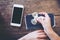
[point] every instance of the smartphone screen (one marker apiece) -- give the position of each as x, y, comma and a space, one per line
17, 14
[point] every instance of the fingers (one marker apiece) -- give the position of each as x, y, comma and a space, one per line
41, 34
35, 35
42, 39
40, 19
40, 31
44, 13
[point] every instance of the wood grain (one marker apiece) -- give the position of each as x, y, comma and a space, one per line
6, 6
57, 21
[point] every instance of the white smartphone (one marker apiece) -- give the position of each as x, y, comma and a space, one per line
17, 15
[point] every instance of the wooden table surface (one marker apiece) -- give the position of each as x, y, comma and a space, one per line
49, 6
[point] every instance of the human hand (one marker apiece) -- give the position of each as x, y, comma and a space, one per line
45, 21
35, 35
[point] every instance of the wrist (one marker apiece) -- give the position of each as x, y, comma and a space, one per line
52, 35
48, 30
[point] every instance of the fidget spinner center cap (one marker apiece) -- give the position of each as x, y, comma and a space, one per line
33, 21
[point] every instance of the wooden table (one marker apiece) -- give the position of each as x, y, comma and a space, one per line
49, 6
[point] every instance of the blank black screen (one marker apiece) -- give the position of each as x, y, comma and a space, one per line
17, 13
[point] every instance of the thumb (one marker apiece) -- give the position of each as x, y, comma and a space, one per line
40, 19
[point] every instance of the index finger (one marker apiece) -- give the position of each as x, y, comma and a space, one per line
44, 13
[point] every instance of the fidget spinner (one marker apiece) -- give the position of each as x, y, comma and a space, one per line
34, 15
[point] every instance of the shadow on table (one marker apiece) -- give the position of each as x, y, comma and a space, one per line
58, 1
3, 33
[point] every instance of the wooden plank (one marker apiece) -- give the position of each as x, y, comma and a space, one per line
57, 30
49, 6
57, 21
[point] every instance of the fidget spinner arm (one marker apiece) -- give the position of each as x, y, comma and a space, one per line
34, 15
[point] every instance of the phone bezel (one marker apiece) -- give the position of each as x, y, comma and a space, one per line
16, 24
